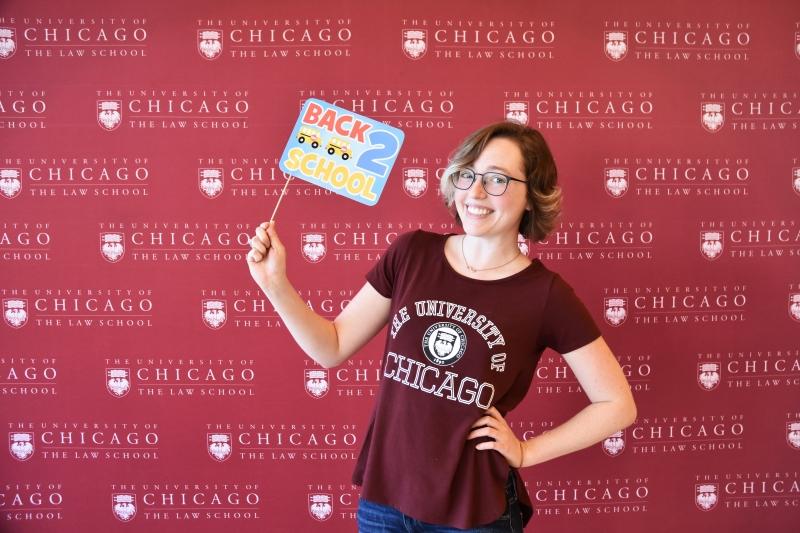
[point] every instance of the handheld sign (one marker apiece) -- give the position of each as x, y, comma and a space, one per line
342, 151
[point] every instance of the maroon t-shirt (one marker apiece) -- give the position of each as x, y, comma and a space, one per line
455, 347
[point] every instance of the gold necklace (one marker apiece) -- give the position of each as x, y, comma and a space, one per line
482, 269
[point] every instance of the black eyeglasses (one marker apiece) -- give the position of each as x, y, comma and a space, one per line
493, 183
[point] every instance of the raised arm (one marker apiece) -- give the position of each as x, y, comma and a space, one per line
329, 343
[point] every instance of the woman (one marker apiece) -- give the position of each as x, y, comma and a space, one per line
469, 317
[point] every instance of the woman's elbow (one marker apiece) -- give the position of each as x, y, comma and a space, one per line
631, 412
329, 360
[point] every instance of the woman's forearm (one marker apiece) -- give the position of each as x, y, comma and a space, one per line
315, 335
589, 426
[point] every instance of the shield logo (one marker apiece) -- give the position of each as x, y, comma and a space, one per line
712, 116
123, 506
516, 111
215, 313
795, 180
317, 382
219, 446
793, 434
415, 181
614, 444
444, 343
112, 246
415, 43
118, 381
209, 44
8, 42
21, 445
616, 182
794, 306
615, 45
711, 244
313, 246
319, 506
109, 115
15, 312
10, 184
616, 311
708, 376
706, 496
797, 44
210, 181
523, 244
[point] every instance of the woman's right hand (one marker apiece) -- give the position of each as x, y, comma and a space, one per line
267, 257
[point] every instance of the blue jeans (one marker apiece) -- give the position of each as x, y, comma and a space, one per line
376, 518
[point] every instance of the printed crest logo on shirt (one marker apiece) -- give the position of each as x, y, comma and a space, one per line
793, 434
214, 313
15, 311
109, 115
21, 445
219, 446
316, 382
706, 496
616, 45
796, 180
313, 246
415, 181
8, 42
794, 306
517, 111
614, 444
209, 43
10, 184
123, 505
712, 116
444, 343
320, 507
415, 43
708, 376
118, 382
616, 311
112, 246
616, 182
210, 181
711, 244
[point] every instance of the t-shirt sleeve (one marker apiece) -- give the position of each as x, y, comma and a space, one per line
384, 273
566, 323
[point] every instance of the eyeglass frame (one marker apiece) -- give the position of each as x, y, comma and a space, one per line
457, 175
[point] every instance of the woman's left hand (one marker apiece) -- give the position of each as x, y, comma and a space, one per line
494, 426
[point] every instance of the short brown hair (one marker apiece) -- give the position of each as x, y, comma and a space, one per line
543, 192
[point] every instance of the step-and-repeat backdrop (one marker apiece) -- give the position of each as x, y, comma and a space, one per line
148, 385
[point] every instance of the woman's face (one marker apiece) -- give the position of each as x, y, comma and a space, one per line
489, 216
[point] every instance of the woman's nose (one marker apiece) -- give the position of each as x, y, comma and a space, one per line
476, 189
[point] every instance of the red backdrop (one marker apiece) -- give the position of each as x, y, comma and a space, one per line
144, 377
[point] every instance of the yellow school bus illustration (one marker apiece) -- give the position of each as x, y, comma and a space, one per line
338, 145
311, 135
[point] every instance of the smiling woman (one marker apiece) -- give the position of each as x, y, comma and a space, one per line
525, 151
470, 317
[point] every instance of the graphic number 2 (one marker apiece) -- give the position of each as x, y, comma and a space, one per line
385, 148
